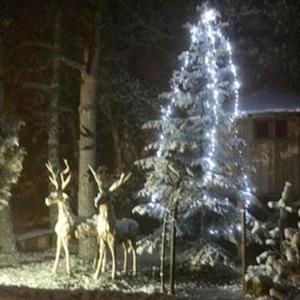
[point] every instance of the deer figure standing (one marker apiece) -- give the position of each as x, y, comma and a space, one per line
66, 221
111, 231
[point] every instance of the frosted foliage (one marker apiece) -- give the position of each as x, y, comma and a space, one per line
203, 254
277, 272
150, 244
196, 159
154, 210
11, 157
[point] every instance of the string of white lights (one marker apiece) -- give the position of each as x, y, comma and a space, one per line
209, 24
236, 86
209, 17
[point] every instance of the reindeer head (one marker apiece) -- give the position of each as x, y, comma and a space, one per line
105, 188
58, 196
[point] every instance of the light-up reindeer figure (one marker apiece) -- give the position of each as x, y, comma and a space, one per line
111, 231
66, 221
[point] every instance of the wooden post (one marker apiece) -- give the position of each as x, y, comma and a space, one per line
173, 249
243, 245
281, 228
283, 213
162, 255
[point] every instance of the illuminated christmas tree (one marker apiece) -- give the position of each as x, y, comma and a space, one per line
198, 140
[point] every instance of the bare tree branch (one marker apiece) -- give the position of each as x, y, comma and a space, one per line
39, 86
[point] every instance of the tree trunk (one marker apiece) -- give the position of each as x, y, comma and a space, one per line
162, 255
7, 238
173, 249
87, 140
53, 135
243, 246
1, 80
118, 149
87, 156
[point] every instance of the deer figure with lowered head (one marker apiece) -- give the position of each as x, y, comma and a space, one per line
66, 221
110, 230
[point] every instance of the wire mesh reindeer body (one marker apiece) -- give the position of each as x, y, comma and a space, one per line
66, 220
111, 231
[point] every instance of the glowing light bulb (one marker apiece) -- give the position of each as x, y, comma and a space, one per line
209, 16
228, 47
233, 69
237, 85
158, 153
193, 32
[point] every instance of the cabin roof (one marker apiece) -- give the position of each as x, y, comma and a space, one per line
269, 100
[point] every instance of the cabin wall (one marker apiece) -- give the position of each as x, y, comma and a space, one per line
276, 160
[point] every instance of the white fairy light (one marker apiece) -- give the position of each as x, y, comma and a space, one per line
214, 35
237, 84
193, 33
208, 24
209, 16
153, 197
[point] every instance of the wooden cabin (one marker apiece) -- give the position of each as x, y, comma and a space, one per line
270, 124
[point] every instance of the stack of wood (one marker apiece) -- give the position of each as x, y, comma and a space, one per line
277, 275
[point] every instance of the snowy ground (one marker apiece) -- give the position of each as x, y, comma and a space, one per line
34, 271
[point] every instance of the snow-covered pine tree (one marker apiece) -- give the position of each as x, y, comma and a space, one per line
11, 159
198, 139
276, 275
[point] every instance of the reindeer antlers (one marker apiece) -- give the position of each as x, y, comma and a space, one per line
53, 177
119, 182
65, 182
96, 179
115, 185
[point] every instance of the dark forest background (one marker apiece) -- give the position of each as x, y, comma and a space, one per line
139, 44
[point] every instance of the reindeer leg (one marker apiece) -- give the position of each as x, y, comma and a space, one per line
125, 257
65, 244
113, 260
103, 261
133, 250
101, 249
96, 254
58, 248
